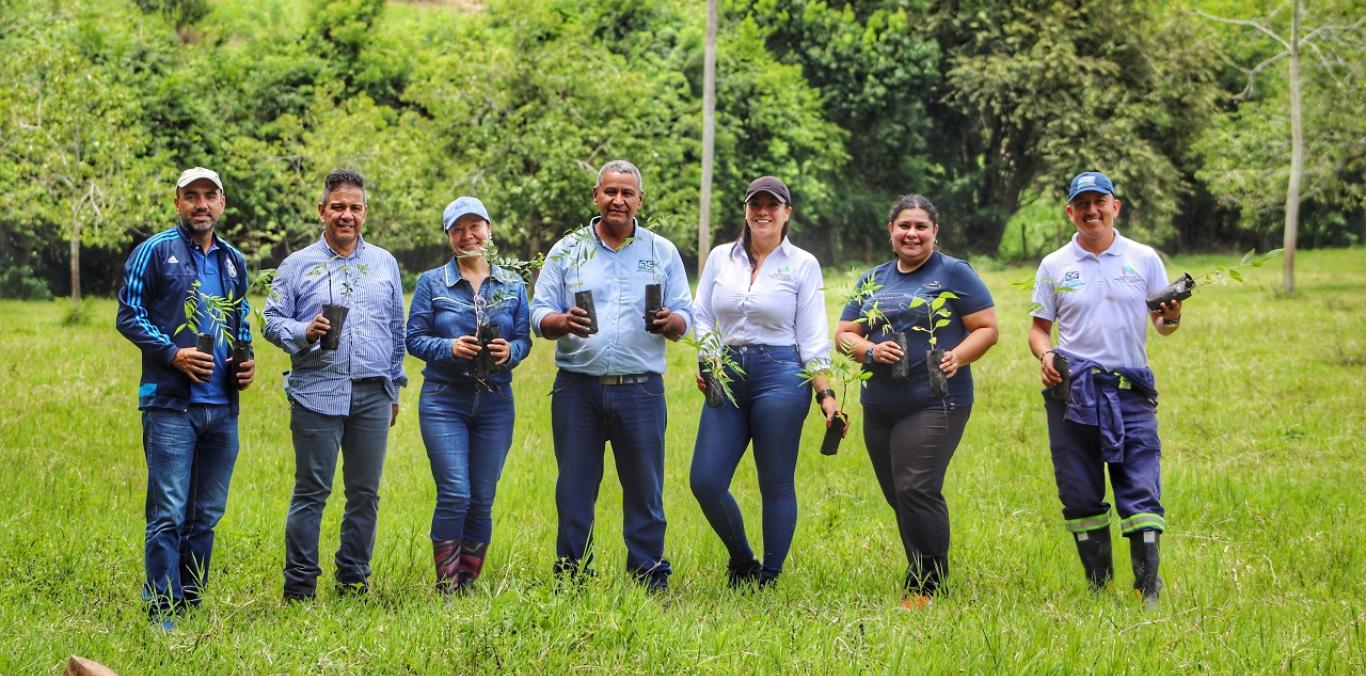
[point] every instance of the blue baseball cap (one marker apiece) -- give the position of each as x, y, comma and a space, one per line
464, 206
1089, 181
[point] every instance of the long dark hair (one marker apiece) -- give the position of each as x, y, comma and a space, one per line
744, 236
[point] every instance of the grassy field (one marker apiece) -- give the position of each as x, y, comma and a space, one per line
1262, 419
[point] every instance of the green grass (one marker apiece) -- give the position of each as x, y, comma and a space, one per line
1262, 419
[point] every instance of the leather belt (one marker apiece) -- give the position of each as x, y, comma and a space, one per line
632, 379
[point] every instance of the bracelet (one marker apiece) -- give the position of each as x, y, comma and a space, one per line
868, 355
1045, 354
1171, 322
822, 395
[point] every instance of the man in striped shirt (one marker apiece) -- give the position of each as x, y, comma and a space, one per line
337, 308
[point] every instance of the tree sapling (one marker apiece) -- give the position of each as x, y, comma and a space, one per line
936, 318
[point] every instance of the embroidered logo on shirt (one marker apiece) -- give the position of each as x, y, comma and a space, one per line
1072, 280
232, 269
172, 260
783, 274
645, 266
932, 284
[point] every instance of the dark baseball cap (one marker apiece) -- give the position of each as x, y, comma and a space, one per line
771, 185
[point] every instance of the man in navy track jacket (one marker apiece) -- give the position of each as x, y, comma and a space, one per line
188, 398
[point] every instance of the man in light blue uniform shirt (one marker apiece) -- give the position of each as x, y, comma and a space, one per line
610, 385
347, 397
1105, 419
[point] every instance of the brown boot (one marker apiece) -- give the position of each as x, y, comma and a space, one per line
446, 554
471, 562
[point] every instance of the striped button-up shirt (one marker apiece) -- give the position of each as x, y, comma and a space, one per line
371, 346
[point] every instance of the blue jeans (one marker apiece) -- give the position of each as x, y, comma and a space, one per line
467, 430
771, 402
585, 415
363, 436
190, 456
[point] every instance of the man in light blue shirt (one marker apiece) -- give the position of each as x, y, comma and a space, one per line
1104, 418
610, 385
343, 389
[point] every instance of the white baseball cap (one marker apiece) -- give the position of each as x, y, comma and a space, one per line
191, 175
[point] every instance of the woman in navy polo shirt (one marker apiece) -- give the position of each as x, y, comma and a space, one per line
763, 298
466, 409
911, 433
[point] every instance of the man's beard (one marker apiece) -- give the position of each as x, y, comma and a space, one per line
198, 229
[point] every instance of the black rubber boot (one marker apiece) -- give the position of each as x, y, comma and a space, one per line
1143, 553
1093, 546
740, 573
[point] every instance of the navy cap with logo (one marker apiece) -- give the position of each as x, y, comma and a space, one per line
1089, 181
771, 185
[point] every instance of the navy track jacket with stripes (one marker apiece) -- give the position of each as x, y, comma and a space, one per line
156, 278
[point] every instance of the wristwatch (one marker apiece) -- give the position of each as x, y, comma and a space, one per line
868, 356
822, 395
1171, 322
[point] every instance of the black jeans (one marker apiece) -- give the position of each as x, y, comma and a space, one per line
910, 452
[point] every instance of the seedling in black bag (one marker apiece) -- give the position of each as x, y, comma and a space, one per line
937, 318
205, 308
841, 372
1064, 368
1182, 288
716, 366
654, 302
1179, 290
334, 312
580, 249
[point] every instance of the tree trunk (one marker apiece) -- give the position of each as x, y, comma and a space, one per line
708, 138
76, 258
1292, 191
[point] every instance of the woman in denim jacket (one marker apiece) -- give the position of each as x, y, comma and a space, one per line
469, 322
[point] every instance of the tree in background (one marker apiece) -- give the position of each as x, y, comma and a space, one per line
875, 70
1036, 91
1337, 108
78, 157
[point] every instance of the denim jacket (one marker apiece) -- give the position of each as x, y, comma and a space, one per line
444, 308
1093, 399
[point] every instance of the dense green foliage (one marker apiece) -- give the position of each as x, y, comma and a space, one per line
987, 107
1262, 427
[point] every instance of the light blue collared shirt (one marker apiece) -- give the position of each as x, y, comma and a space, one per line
372, 340
622, 346
1099, 301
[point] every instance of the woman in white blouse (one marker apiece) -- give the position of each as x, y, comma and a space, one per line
762, 297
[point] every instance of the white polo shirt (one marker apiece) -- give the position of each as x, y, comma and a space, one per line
1098, 302
784, 306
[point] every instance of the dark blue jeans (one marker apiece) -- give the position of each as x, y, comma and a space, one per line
770, 406
363, 436
190, 456
467, 429
585, 415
